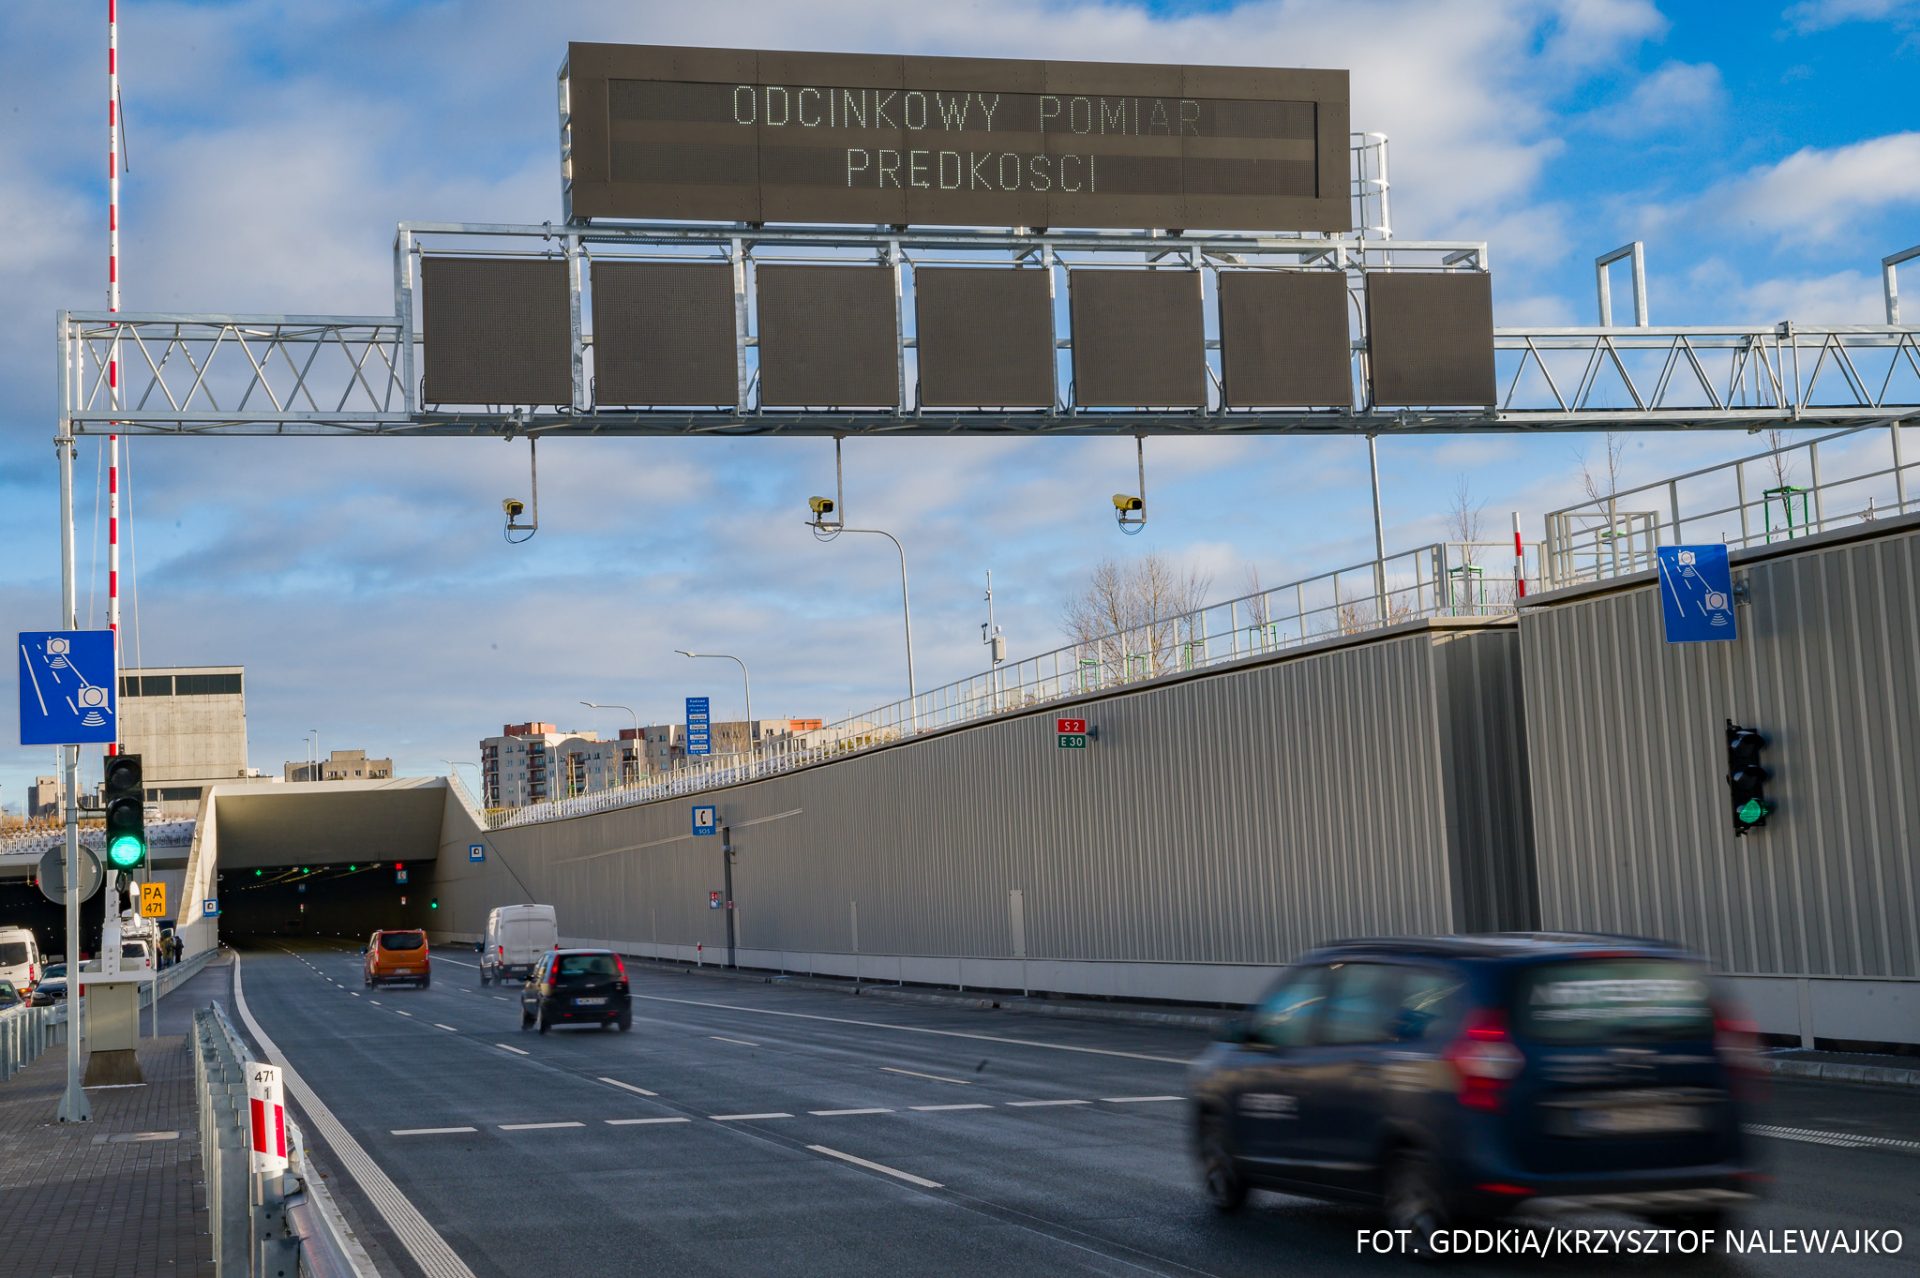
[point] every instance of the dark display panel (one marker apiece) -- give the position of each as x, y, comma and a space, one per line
1139, 339
985, 337
828, 337
1430, 339
742, 136
1283, 339
663, 333
496, 331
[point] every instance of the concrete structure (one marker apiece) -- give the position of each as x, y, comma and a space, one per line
1816, 916
534, 761
188, 724
1212, 831
340, 765
43, 798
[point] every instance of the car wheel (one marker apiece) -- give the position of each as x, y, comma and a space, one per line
484, 978
426, 984
1414, 1202
543, 1020
626, 1020
1220, 1175
526, 1019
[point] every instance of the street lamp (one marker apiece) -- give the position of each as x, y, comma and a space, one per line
313, 773
826, 531
480, 780
595, 705
746, 680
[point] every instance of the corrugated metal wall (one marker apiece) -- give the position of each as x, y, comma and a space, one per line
1632, 818
1236, 817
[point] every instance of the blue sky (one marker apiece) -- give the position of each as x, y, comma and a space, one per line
1766, 152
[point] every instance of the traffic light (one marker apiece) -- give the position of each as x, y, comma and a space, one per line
126, 813
1746, 778
434, 904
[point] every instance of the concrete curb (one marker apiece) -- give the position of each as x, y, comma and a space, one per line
1841, 1072
1205, 1021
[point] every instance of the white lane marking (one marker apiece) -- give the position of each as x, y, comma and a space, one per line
643, 1122
614, 1082
355, 993
535, 1127
882, 1168
1043, 1104
744, 1118
429, 1131
945, 1109
1846, 1140
741, 1042
515, 1050
374, 1001
441, 958
843, 1113
938, 1078
920, 1029
422, 1241
1137, 1100
503, 998
448, 1028
398, 1012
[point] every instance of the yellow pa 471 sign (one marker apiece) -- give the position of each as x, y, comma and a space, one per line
153, 900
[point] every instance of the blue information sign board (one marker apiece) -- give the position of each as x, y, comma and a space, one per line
1696, 593
210, 907
706, 819
476, 851
699, 726
69, 688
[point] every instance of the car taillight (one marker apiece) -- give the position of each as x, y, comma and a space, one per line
1485, 1058
1737, 1042
619, 964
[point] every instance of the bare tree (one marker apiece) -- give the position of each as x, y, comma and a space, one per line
1464, 517
1780, 462
1126, 617
1603, 483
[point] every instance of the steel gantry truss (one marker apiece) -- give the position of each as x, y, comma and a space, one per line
209, 374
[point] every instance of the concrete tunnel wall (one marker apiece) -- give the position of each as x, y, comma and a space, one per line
1220, 824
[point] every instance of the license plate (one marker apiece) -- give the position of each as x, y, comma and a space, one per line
588, 1002
1636, 1120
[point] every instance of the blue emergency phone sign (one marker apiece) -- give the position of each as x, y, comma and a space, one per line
1696, 594
476, 851
210, 907
706, 818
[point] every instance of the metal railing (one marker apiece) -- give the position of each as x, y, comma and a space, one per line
1444, 579
1791, 491
27, 1031
31, 844
262, 1224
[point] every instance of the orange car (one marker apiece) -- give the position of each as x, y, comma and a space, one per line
396, 956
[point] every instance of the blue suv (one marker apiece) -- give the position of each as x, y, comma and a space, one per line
1453, 1079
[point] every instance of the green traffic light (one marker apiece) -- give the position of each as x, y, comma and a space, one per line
434, 904
352, 869
1752, 812
258, 873
125, 852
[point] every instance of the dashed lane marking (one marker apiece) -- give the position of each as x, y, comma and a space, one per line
639, 1091
1138, 1100
945, 1109
882, 1168
739, 1042
1844, 1140
845, 1113
536, 1127
1044, 1104
429, 1131
744, 1118
643, 1122
448, 1028
398, 1012
938, 1078
517, 1051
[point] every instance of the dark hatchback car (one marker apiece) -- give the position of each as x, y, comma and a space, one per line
52, 987
577, 987
1465, 1078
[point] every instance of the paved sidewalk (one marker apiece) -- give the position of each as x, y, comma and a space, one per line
122, 1195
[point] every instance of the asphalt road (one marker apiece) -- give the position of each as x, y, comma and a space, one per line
746, 1128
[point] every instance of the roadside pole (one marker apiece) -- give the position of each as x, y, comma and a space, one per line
73, 1103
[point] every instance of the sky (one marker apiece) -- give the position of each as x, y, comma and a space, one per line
1767, 153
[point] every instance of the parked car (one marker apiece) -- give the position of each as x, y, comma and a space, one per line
516, 937
1466, 1078
52, 987
20, 960
398, 956
9, 996
577, 987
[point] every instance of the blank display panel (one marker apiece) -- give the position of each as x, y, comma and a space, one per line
1283, 339
1138, 339
828, 337
663, 333
985, 338
1430, 339
496, 332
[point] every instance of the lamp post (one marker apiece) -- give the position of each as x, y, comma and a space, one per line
479, 778
906, 608
746, 680
313, 773
595, 705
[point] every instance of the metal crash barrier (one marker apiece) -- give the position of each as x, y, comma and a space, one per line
266, 1224
25, 1032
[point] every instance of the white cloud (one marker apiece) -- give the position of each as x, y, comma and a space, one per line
1821, 15
1820, 192
1677, 94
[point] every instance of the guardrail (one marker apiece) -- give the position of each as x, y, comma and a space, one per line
25, 1032
1444, 579
1835, 480
262, 1224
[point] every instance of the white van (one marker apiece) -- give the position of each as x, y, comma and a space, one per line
20, 960
517, 935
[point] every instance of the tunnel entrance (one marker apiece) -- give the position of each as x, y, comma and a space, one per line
346, 899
